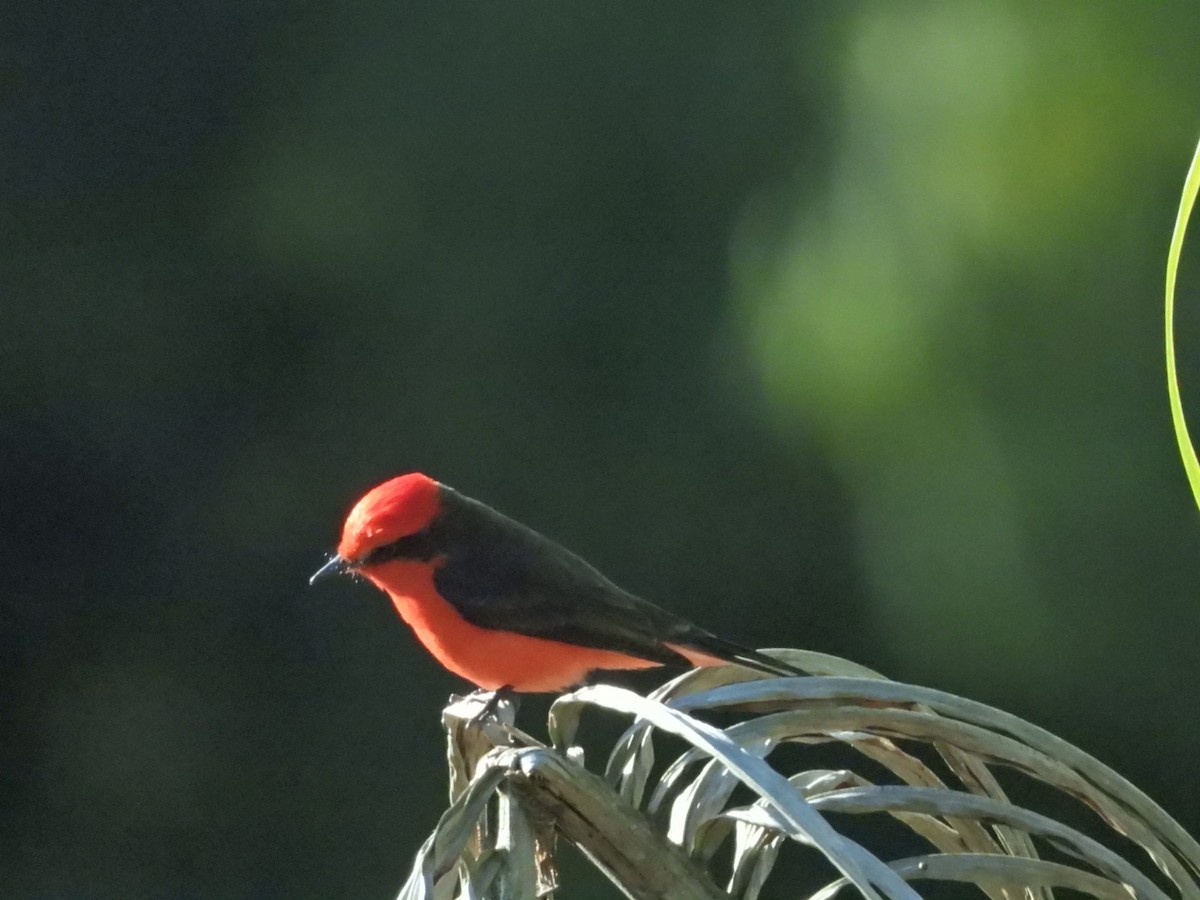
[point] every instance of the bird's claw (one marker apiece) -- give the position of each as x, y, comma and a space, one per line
503, 694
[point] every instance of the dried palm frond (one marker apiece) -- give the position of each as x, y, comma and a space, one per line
930, 761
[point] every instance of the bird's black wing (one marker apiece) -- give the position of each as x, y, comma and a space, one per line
501, 575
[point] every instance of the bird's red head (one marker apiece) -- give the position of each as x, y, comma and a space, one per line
395, 509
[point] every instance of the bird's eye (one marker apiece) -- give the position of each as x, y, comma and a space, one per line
418, 546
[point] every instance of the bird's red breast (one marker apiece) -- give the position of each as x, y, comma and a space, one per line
485, 656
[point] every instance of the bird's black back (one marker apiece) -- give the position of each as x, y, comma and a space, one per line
503, 575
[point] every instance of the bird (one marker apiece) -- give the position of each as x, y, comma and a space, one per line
502, 606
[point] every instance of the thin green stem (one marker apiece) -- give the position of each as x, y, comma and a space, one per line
1186, 202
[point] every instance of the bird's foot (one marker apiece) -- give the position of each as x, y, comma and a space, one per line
502, 694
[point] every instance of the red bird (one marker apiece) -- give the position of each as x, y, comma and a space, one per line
504, 607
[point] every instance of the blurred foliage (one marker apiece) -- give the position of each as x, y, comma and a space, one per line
831, 325
971, 416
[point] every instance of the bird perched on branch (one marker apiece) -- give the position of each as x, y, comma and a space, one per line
505, 607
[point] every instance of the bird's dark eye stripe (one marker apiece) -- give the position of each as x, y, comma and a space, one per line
419, 546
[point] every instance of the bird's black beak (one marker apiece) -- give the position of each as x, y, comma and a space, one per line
336, 566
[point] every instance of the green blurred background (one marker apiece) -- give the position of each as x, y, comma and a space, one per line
831, 325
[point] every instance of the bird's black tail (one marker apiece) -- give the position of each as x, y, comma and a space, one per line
736, 653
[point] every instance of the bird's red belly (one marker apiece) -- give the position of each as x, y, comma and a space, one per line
489, 658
